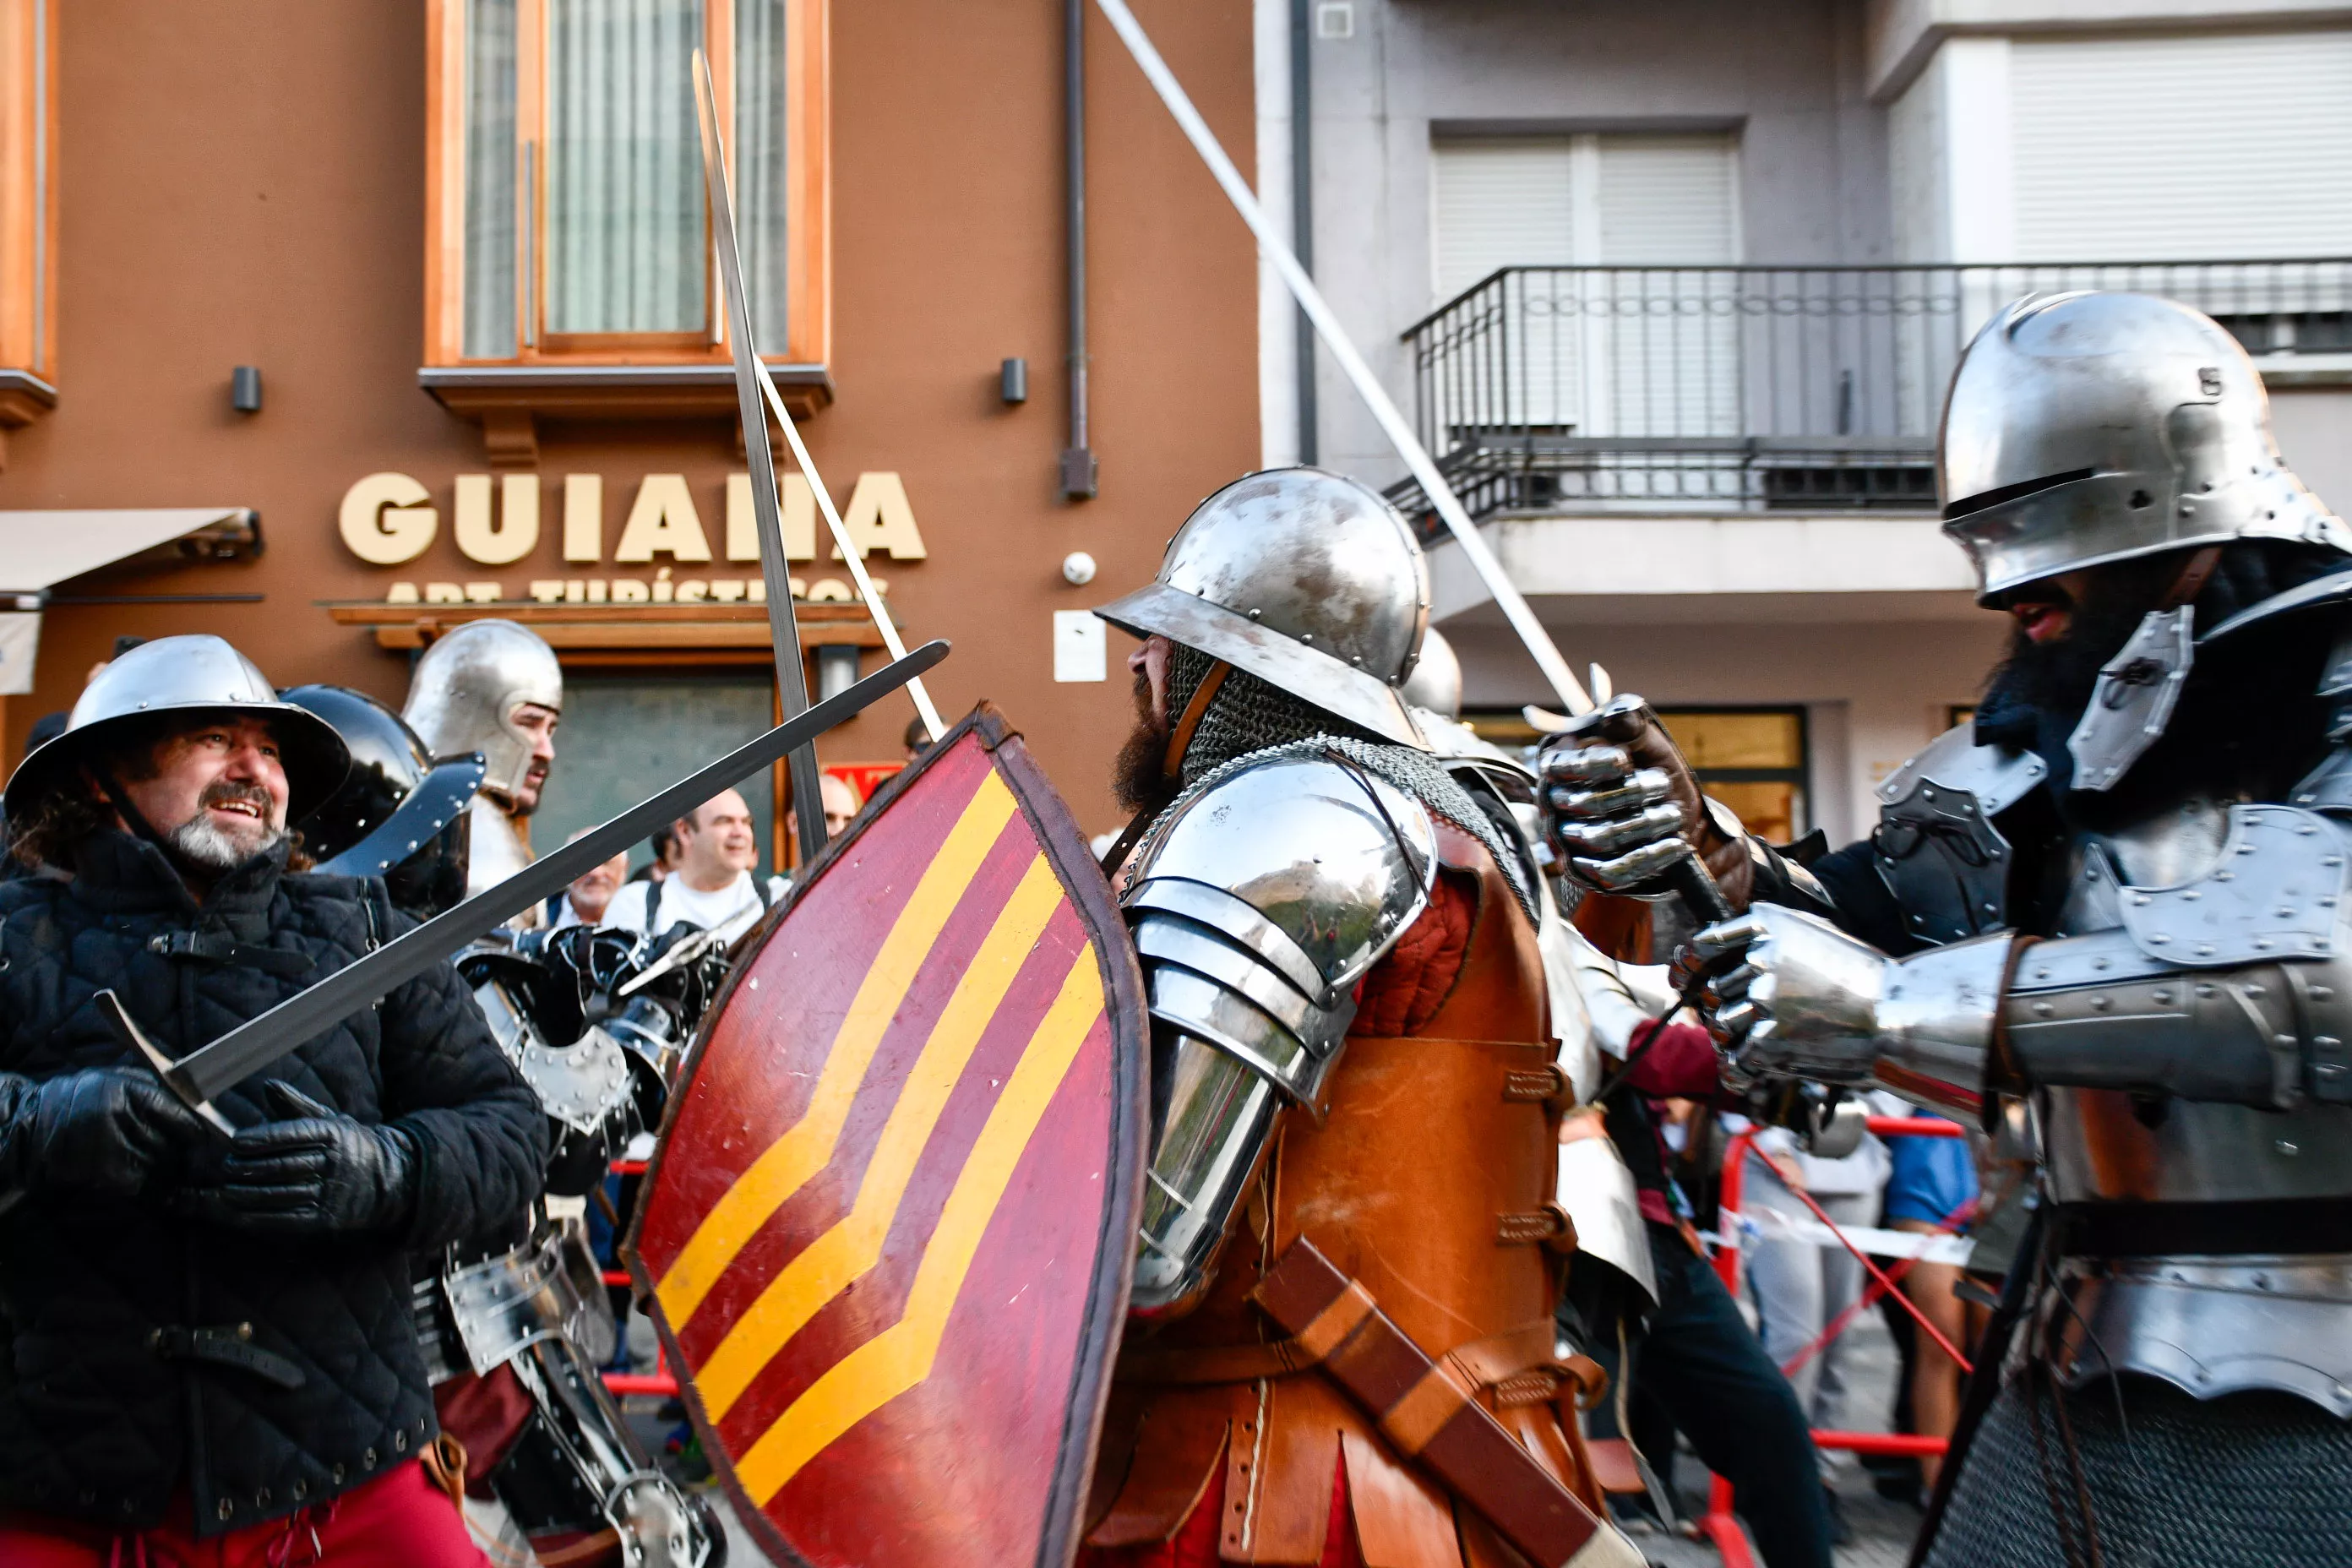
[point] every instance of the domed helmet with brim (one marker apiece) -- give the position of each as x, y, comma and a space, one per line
1435, 683
1308, 580
168, 686
401, 813
2094, 426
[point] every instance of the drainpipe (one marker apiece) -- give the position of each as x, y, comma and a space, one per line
1302, 212
1077, 459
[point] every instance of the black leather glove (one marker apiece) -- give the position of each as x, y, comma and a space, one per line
111, 1130
315, 1171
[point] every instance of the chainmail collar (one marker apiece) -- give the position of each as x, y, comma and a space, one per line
1417, 773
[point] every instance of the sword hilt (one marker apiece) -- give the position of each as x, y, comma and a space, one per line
127, 1030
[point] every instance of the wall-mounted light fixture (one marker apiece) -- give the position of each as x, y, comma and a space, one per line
1012, 381
245, 389
836, 669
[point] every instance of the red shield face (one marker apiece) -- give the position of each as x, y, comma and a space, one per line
888, 1231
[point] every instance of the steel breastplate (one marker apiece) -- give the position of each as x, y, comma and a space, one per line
1936, 845
2208, 1324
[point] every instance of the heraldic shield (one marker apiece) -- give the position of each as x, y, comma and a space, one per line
887, 1232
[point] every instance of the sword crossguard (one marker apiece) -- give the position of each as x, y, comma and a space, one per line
127, 1030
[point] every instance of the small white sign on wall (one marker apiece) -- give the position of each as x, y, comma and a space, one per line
1080, 650
20, 638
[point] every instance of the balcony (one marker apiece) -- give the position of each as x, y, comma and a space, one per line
1804, 389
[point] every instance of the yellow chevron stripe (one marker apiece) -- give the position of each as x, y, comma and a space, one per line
807, 1147
853, 1244
900, 1357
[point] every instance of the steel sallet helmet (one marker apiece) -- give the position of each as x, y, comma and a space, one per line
168, 684
2093, 426
467, 688
1435, 683
400, 814
1306, 580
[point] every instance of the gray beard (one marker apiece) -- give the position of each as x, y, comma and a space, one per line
204, 845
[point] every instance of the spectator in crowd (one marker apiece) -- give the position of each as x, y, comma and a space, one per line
841, 803
917, 738
583, 904
664, 847
1800, 1286
1931, 1188
713, 882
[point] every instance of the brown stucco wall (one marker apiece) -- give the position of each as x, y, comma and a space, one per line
244, 185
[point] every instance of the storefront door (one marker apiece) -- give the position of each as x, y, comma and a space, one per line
625, 735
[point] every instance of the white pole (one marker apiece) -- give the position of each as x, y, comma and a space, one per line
1311, 300
849, 552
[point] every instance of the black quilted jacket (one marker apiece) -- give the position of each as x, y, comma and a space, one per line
104, 1410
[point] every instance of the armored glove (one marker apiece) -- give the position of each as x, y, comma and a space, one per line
110, 1131
1621, 805
316, 1171
1809, 1001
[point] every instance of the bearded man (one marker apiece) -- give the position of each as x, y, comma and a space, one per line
1354, 1082
204, 1340
496, 688
2119, 902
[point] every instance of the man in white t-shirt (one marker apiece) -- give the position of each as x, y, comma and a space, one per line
712, 884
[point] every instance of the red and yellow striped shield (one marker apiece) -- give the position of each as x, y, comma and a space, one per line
887, 1234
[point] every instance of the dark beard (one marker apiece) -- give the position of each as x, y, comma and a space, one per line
1138, 776
2057, 679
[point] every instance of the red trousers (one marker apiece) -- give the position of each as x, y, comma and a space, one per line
1194, 1544
400, 1519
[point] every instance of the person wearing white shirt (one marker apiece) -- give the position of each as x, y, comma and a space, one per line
585, 902
713, 882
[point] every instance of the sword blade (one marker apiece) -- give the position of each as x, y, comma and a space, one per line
783, 630
254, 1044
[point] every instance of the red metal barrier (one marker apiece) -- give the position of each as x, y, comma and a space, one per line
658, 1383
1718, 1525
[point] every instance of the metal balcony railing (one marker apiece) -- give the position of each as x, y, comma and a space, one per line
1765, 388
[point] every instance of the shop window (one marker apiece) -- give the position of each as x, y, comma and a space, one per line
27, 209
568, 228
1752, 759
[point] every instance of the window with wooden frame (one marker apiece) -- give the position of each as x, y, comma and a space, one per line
568, 267
28, 205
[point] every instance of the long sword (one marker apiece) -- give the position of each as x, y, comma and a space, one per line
1408, 445
257, 1043
783, 630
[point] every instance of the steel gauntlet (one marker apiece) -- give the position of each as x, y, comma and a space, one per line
1809, 1001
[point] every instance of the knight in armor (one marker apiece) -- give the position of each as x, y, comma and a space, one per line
514, 1319
492, 686
2115, 900
1352, 1048
207, 1337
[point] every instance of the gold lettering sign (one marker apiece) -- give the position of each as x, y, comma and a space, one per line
385, 520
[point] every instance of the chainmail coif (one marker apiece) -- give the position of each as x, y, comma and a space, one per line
1248, 716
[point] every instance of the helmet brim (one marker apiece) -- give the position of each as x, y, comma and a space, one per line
312, 754
1361, 699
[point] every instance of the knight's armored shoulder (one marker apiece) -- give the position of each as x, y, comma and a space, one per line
1936, 846
1995, 778
1262, 898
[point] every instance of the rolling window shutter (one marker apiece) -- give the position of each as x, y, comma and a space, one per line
2183, 147
1667, 200
1500, 204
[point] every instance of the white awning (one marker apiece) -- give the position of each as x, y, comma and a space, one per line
41, 549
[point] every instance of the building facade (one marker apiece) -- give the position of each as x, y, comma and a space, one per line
460, 250
1673, 292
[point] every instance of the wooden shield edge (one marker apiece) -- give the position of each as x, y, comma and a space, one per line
1122, 982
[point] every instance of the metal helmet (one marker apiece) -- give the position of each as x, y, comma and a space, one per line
1435, 683
1305, 579
2093, 426
169, 683
401, 815
468, 687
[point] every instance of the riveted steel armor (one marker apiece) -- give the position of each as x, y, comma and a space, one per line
2093, 426
1308, 580
192, 679
1256, 906
467, 688
400, 814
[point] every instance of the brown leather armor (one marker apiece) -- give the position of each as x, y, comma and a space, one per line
1429, 1180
